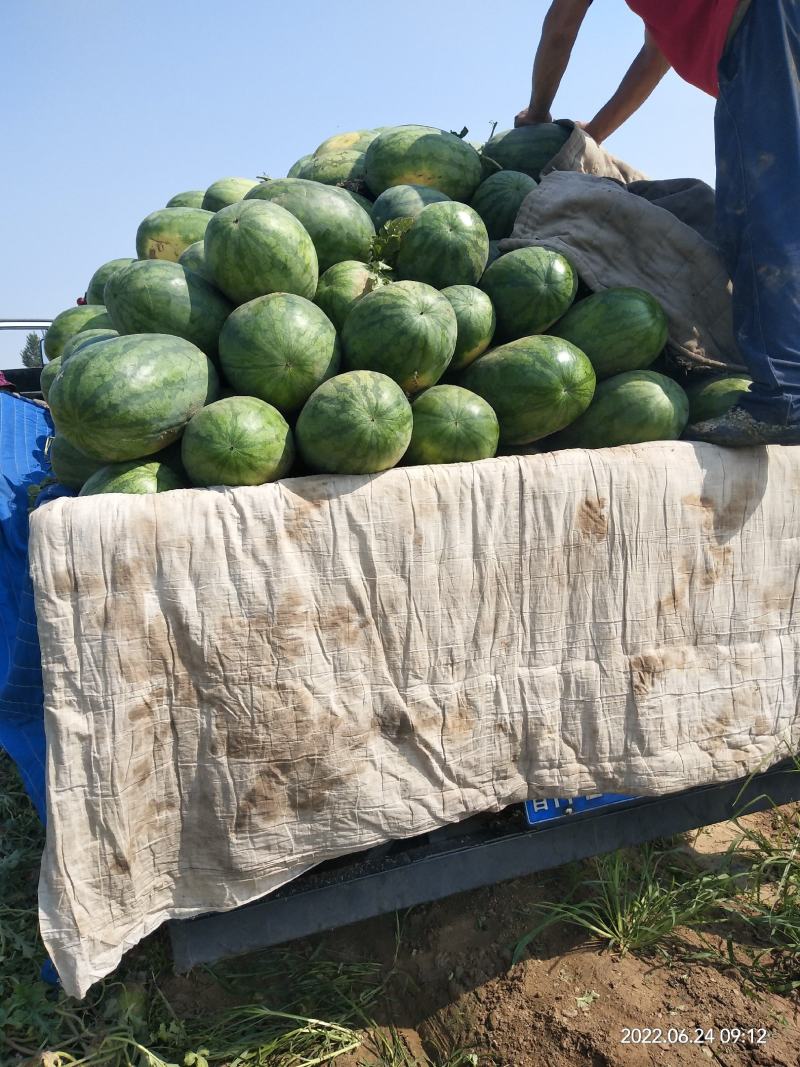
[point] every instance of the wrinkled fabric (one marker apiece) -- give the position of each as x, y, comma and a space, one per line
757, 129
241, 683
614, 237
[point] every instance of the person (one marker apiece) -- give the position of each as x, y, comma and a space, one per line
746, 53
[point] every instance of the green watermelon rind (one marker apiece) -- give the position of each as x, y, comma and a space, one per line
338, 227
452, 425
626, 410
279, 348
620, 329
156, 296
498, 199
422, 155
129, 397
74, 320
406, 330
530, 288
343, 284
476, 322
97, 283
710, 398
536, 386
359, 422
254, 248
136, 476
446, 245
240, 440
527, 148
226, 191
404, 202
166, 233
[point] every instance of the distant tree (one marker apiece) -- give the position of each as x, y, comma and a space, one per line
31, 352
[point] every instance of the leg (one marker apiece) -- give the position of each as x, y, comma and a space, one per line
757, 125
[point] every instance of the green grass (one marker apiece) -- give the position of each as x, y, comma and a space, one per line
281, 1009
746, 914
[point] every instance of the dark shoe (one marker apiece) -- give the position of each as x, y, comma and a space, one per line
738, 429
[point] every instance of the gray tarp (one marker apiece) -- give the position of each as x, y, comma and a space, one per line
241, 683
618, 228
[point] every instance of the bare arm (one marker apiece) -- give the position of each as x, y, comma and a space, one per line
559, 31
643, 76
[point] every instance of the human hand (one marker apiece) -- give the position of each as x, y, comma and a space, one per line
529, 117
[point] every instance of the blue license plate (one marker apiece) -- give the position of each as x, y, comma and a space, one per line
539, 811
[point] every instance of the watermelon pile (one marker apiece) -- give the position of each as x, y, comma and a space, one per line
355, 315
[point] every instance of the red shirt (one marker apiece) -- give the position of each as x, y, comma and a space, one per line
691, 34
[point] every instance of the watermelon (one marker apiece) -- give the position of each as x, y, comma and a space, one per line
422, 155
339, 228
72, 321
619, 330
334, 168
355, 423
227, 191
712, 397
136, 476
488, 166
166, 233
191, 198
70, 467
476, 323
405, 330
48, 373
129, 397
193, 258
536, 386
279, 348
85, 337
498, 200
343, 284
237, 441
354, 141
527, 149
254, 248
452, 425
294, 170
97, 283
629, 409
446, 245
531, 288
404, 202
154, 296
362, 201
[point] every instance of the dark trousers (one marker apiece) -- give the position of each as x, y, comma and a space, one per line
757, 125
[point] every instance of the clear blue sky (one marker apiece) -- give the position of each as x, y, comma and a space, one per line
112, 107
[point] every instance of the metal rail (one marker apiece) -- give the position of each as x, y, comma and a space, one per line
478, 852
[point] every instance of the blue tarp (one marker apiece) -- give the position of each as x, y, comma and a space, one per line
24, 430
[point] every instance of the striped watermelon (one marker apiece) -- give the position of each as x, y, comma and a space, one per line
405, 330
226, 191
528, 149
254, 248
97, 283
629, 409
339, 228
498, 200
279, 348
404, 202
355, 423
531, 288
619, 329
154, 296
166, 233
237, 441
423, 155
334, 168
452, 425
536, 385
712, 397
70, 466
190, 198
343, 284
446, 245
136, 476
476, 323
74, 320
128, 397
